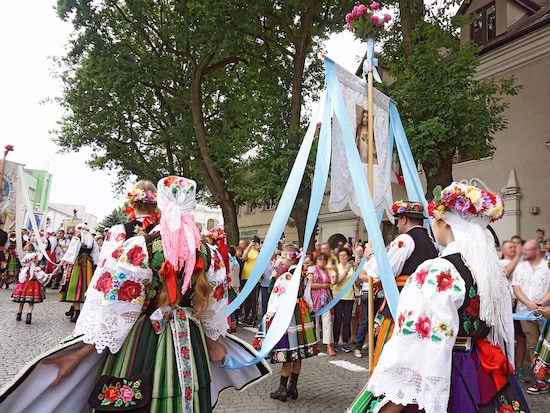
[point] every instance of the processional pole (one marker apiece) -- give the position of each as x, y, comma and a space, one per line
370, 180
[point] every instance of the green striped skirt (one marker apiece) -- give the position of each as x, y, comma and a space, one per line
155, 354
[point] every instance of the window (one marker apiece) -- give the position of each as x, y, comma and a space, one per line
250, 209
485, 27
269, 206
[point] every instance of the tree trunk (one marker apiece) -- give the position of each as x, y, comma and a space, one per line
443, 175
211, 175
411, 12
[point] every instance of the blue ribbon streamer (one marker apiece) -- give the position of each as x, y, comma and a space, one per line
526, 316
335, 300
370, 58
359, 180
280, 218
282, 317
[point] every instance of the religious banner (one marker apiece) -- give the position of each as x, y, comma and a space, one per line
8, 200
342, 193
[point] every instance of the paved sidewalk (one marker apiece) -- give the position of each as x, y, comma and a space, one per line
327, 384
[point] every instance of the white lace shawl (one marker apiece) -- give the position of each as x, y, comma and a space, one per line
416, 369
108, 315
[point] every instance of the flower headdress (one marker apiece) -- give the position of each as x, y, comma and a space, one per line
466, 199
414, 209
144, 195
218, 235
468, 211
364, 23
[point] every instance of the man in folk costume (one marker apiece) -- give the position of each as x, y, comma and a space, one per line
411, 248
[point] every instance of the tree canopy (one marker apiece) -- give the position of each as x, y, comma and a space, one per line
210, 90
445, 110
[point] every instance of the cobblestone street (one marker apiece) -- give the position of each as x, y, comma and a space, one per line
327, 384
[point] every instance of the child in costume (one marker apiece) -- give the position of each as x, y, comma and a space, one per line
29, 290
299, 341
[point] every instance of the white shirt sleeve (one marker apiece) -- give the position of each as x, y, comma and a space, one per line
399, 251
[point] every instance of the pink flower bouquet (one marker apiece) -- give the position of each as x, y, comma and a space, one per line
365, 23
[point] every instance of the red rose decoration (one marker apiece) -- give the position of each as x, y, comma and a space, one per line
473, 307
104, 283
188, 393
129, 290
506, 408
423, 327
136, 255
400, 244
421, 275
400, 321
185, 352
120, 237
111, 394
218, 292
117, 253
444, 281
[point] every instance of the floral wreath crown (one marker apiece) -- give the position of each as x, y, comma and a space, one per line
466, 199
402, 207
216, 234
146, 196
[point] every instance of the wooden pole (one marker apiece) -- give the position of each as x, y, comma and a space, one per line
370, 180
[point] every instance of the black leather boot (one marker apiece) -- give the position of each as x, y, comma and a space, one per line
280, 394
70, 313
75, 316
18, 317
292, 391
29, 317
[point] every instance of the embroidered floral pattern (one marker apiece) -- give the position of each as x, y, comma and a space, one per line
470, 318
423, 327
506, 406
122, 393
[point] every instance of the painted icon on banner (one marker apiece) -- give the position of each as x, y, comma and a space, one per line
362, 134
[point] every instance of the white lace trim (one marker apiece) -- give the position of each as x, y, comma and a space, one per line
406, 386
214, 319
105, 324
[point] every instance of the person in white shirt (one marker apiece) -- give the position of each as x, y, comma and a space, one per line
530, 283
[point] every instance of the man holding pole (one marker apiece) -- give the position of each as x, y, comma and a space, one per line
410, 249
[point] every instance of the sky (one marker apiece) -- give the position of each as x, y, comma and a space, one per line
30, 35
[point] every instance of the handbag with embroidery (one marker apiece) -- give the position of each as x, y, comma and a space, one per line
122, 394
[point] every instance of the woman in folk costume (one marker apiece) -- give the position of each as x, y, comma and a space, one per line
299, 341
80, 259
452, 348
29, 290
152, 324
217, 236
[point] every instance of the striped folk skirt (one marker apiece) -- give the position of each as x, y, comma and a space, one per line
30, 291
76, 283
145, 351
299, 341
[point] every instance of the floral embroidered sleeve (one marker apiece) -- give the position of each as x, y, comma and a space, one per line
214, 319
415, 365
399, 250
117, 292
